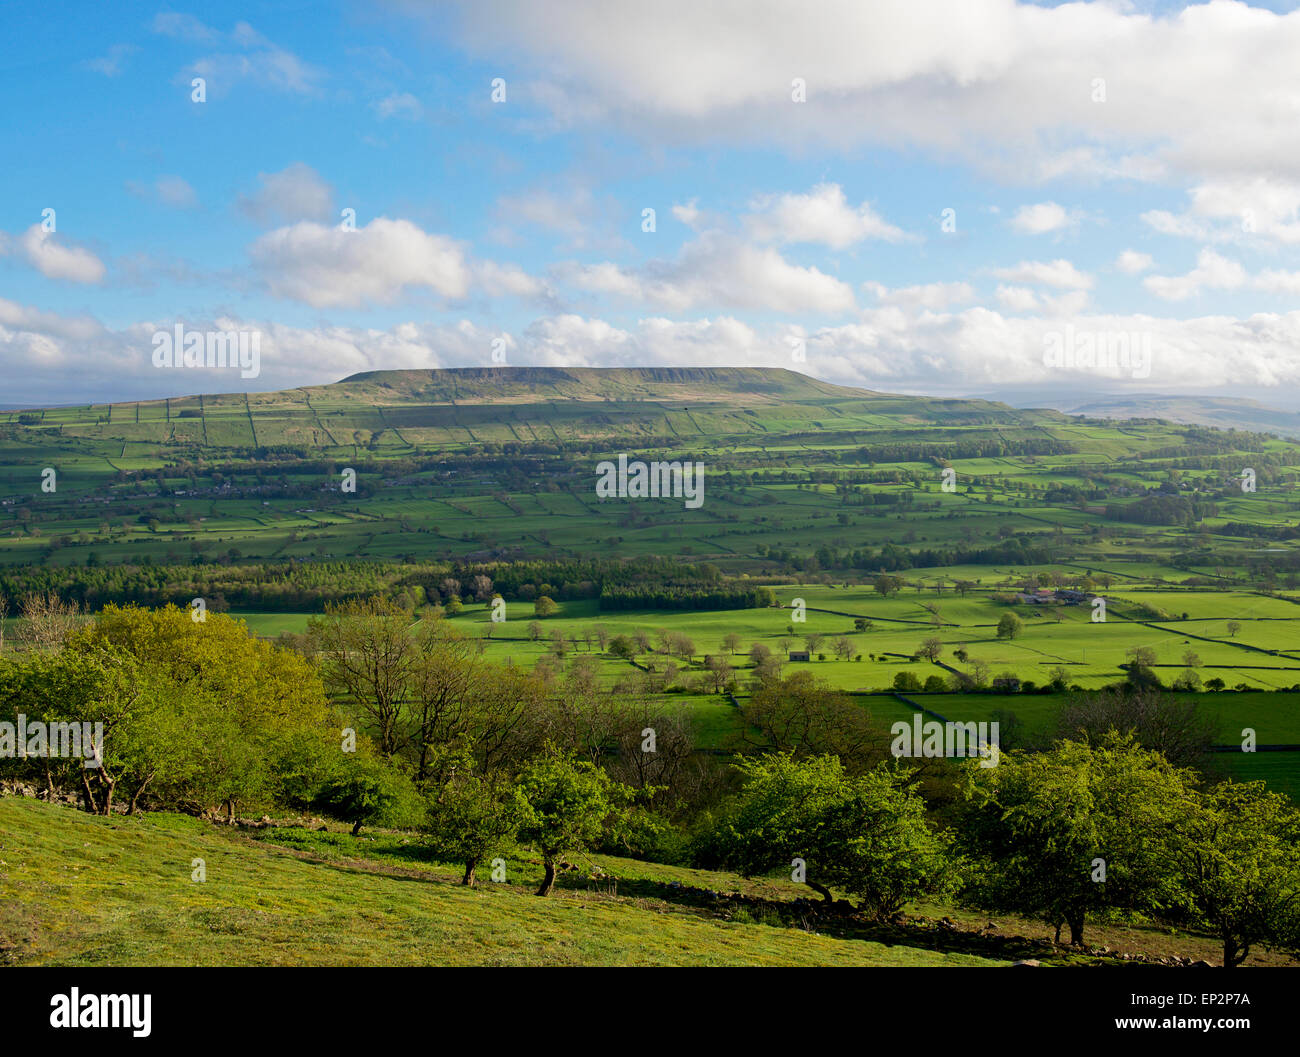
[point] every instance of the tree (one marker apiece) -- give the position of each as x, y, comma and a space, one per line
1234, 626
569, 806
534, 630
1176, 729
1142, 656
843, 648
805, 717
1041, 828
544, 607
365, 790
813, 640
887, 584
1010, 626
866, 835
1238, 852
473, 817
931, 649
47, 621
731, 643
720, 672
245, 707
368, 657
906, 681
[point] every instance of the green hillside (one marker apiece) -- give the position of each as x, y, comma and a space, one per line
83, 890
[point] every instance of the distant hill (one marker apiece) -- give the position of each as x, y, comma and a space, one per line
1222, 412
539, 384
390, 412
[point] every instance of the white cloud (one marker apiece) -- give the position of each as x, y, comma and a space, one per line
1059, 273
1238, 209
717, 270
42, 250
1043, 218
1130, 262
331, 267
508, 279
1005, 84
822, 216
294, 193
689, 214
1212, 271
889, 348
1016, 298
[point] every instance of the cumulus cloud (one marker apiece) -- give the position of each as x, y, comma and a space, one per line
49, 256
374, 264
1212, 271
822, 216
1043, 218
890, 348
1016, 298
1131, 262
720, 270
509, 280
1254, 207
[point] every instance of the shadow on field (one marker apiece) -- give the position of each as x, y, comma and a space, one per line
838, 920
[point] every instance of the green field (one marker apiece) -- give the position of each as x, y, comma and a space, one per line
86, 891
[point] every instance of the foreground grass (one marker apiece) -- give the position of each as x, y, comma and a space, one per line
81, 890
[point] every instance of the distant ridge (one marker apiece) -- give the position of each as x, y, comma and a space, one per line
596, 383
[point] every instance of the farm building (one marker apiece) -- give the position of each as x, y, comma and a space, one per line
800, 655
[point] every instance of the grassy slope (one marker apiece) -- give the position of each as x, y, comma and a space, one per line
79, 890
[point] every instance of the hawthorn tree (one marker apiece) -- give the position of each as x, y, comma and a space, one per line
1073, 831
1237, 850
473, 817
570, 805
866, 836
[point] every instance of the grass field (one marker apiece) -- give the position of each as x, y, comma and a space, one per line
80, 890
77, 889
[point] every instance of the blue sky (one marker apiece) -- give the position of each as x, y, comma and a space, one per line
962, 180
